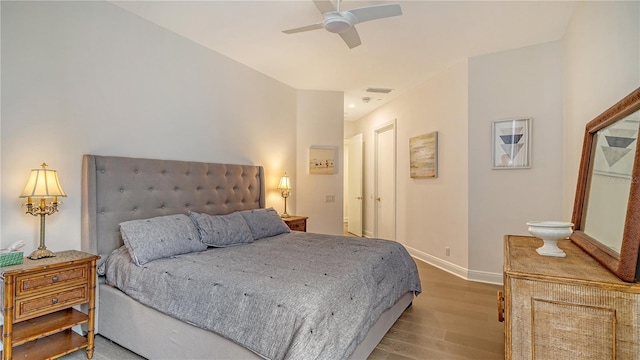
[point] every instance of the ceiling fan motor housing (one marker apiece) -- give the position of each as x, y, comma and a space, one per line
339, 22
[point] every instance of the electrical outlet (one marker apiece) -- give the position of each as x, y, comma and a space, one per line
329, 198
447, 251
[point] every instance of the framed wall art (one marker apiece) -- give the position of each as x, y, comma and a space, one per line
511, 144
322, 160
423, 156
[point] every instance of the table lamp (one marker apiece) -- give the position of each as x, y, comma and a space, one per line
43, 184
285, 186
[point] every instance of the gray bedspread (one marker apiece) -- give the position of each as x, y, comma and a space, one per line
291, 296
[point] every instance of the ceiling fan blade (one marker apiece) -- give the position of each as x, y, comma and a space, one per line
304, 28
376, 12
324, 6
351, 38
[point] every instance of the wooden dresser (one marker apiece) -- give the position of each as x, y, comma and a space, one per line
566, 308
37, 298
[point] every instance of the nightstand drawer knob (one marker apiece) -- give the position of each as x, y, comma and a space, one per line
54, 300
55, 279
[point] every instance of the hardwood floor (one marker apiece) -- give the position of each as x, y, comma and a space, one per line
452, 319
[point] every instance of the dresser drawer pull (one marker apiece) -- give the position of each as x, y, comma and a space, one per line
54, 300
55, 279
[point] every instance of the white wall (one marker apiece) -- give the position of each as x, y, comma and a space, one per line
524, 82
88, 77
601, 62
431, 213
320, 121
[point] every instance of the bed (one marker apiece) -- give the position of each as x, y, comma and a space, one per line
120, 190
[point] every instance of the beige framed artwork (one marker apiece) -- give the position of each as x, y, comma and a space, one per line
423, 156
322, 160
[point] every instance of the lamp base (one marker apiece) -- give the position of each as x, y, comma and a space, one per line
285, 215
41, 253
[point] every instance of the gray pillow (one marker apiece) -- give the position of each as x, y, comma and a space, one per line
160, 237
264, 223
222, 230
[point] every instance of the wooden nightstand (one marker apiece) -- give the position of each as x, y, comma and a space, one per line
296, 223
37, 298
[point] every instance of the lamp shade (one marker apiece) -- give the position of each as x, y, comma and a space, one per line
285, 183
43, 183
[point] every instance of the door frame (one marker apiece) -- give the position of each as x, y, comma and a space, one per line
390, 126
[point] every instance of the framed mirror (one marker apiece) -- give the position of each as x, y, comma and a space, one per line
606, 212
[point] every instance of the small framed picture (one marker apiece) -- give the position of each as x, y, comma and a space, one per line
322, 160
511, 141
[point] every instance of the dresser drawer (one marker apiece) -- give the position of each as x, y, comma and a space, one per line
29, 307
40, 282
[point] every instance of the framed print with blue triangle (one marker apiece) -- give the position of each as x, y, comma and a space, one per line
511, 144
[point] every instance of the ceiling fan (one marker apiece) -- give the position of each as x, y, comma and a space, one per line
342, 22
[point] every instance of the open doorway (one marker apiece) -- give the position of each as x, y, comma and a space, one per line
353, 185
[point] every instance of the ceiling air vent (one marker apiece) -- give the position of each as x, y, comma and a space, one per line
379, 90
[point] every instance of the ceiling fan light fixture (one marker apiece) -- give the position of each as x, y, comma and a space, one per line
337, 26
339, 23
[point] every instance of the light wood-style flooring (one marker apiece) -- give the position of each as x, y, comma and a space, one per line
452, 319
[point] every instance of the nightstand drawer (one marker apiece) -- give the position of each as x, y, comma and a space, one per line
298, 225
50, 280
34, 306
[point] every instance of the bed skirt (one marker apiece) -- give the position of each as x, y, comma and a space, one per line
175, 339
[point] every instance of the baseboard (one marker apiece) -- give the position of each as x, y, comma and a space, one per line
486, 277
457, 270
367, 234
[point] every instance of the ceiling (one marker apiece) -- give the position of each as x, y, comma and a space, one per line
397, 53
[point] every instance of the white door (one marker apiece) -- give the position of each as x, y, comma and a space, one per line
385, 182
354, 185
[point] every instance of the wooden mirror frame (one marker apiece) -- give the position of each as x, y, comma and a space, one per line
624, 264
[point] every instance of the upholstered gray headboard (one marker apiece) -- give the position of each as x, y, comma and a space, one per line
117, 189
